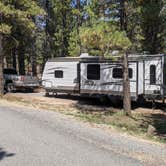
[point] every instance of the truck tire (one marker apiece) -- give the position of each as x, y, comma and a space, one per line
10, 87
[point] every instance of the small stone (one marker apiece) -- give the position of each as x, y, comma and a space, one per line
151, 130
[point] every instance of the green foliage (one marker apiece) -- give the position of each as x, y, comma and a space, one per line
153, 24
74, 47
20, 12
100, 39
74, 26
5, 29
134, 31
58, 27
18, 28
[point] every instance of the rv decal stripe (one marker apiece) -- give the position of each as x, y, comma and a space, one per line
55, 68
115, 83
112, 83
110, 67
50, 73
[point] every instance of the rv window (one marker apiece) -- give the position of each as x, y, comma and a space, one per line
152, 74
118, 73
93, 72
58, 74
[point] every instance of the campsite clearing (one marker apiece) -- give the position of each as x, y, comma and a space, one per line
145, 122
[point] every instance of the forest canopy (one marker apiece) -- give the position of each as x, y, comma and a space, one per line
36, 30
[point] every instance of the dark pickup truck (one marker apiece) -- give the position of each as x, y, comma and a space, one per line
14, 82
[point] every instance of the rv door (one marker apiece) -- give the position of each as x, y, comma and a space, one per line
153, 77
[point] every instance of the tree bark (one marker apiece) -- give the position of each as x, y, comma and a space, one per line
79, 22
78, 17
21, 60
1, 68
123, 16
64, 25
34, 64
126, 81
47, 32
126, 87
14, 58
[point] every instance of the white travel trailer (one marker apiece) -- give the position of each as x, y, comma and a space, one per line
96, 76
61, 75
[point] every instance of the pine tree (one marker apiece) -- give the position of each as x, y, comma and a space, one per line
58, 27
15, 15
153, 24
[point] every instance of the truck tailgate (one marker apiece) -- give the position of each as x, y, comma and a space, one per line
28, 81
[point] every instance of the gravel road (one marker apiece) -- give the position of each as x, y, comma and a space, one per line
42, 138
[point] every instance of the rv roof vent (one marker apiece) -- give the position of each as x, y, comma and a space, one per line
84, 55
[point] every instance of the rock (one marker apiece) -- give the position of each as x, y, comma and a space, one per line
151, 130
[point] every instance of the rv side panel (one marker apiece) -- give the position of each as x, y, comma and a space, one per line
61, 77
107, 78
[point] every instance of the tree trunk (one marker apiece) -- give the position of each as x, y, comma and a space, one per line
126, 81
126, 87
1, 68
14, 58
47, 32
123, 17
64, 37
34, 64
21, 61
78, 17
79, 22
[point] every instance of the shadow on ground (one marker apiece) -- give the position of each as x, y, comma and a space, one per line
105, 103
159, 122
4, 154
150, 114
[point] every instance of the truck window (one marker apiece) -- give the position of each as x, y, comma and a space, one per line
152, 74
10, 71
93, 72
58, 74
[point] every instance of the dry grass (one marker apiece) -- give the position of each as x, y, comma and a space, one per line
136, 125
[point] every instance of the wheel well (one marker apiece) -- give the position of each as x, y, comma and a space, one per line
8, 82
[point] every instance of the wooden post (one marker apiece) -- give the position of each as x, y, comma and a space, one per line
126, 87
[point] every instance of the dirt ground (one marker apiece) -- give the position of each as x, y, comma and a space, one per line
93, 110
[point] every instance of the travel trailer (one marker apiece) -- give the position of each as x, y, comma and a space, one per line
94, 76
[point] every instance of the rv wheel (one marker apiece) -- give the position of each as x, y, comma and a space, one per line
47, 94
103, 100
141, 100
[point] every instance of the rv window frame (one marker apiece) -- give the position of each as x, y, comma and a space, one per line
121, 75
90, 76
152, 74
58, 75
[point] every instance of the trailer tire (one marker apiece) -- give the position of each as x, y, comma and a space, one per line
104, 100
141, 100
47, 94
